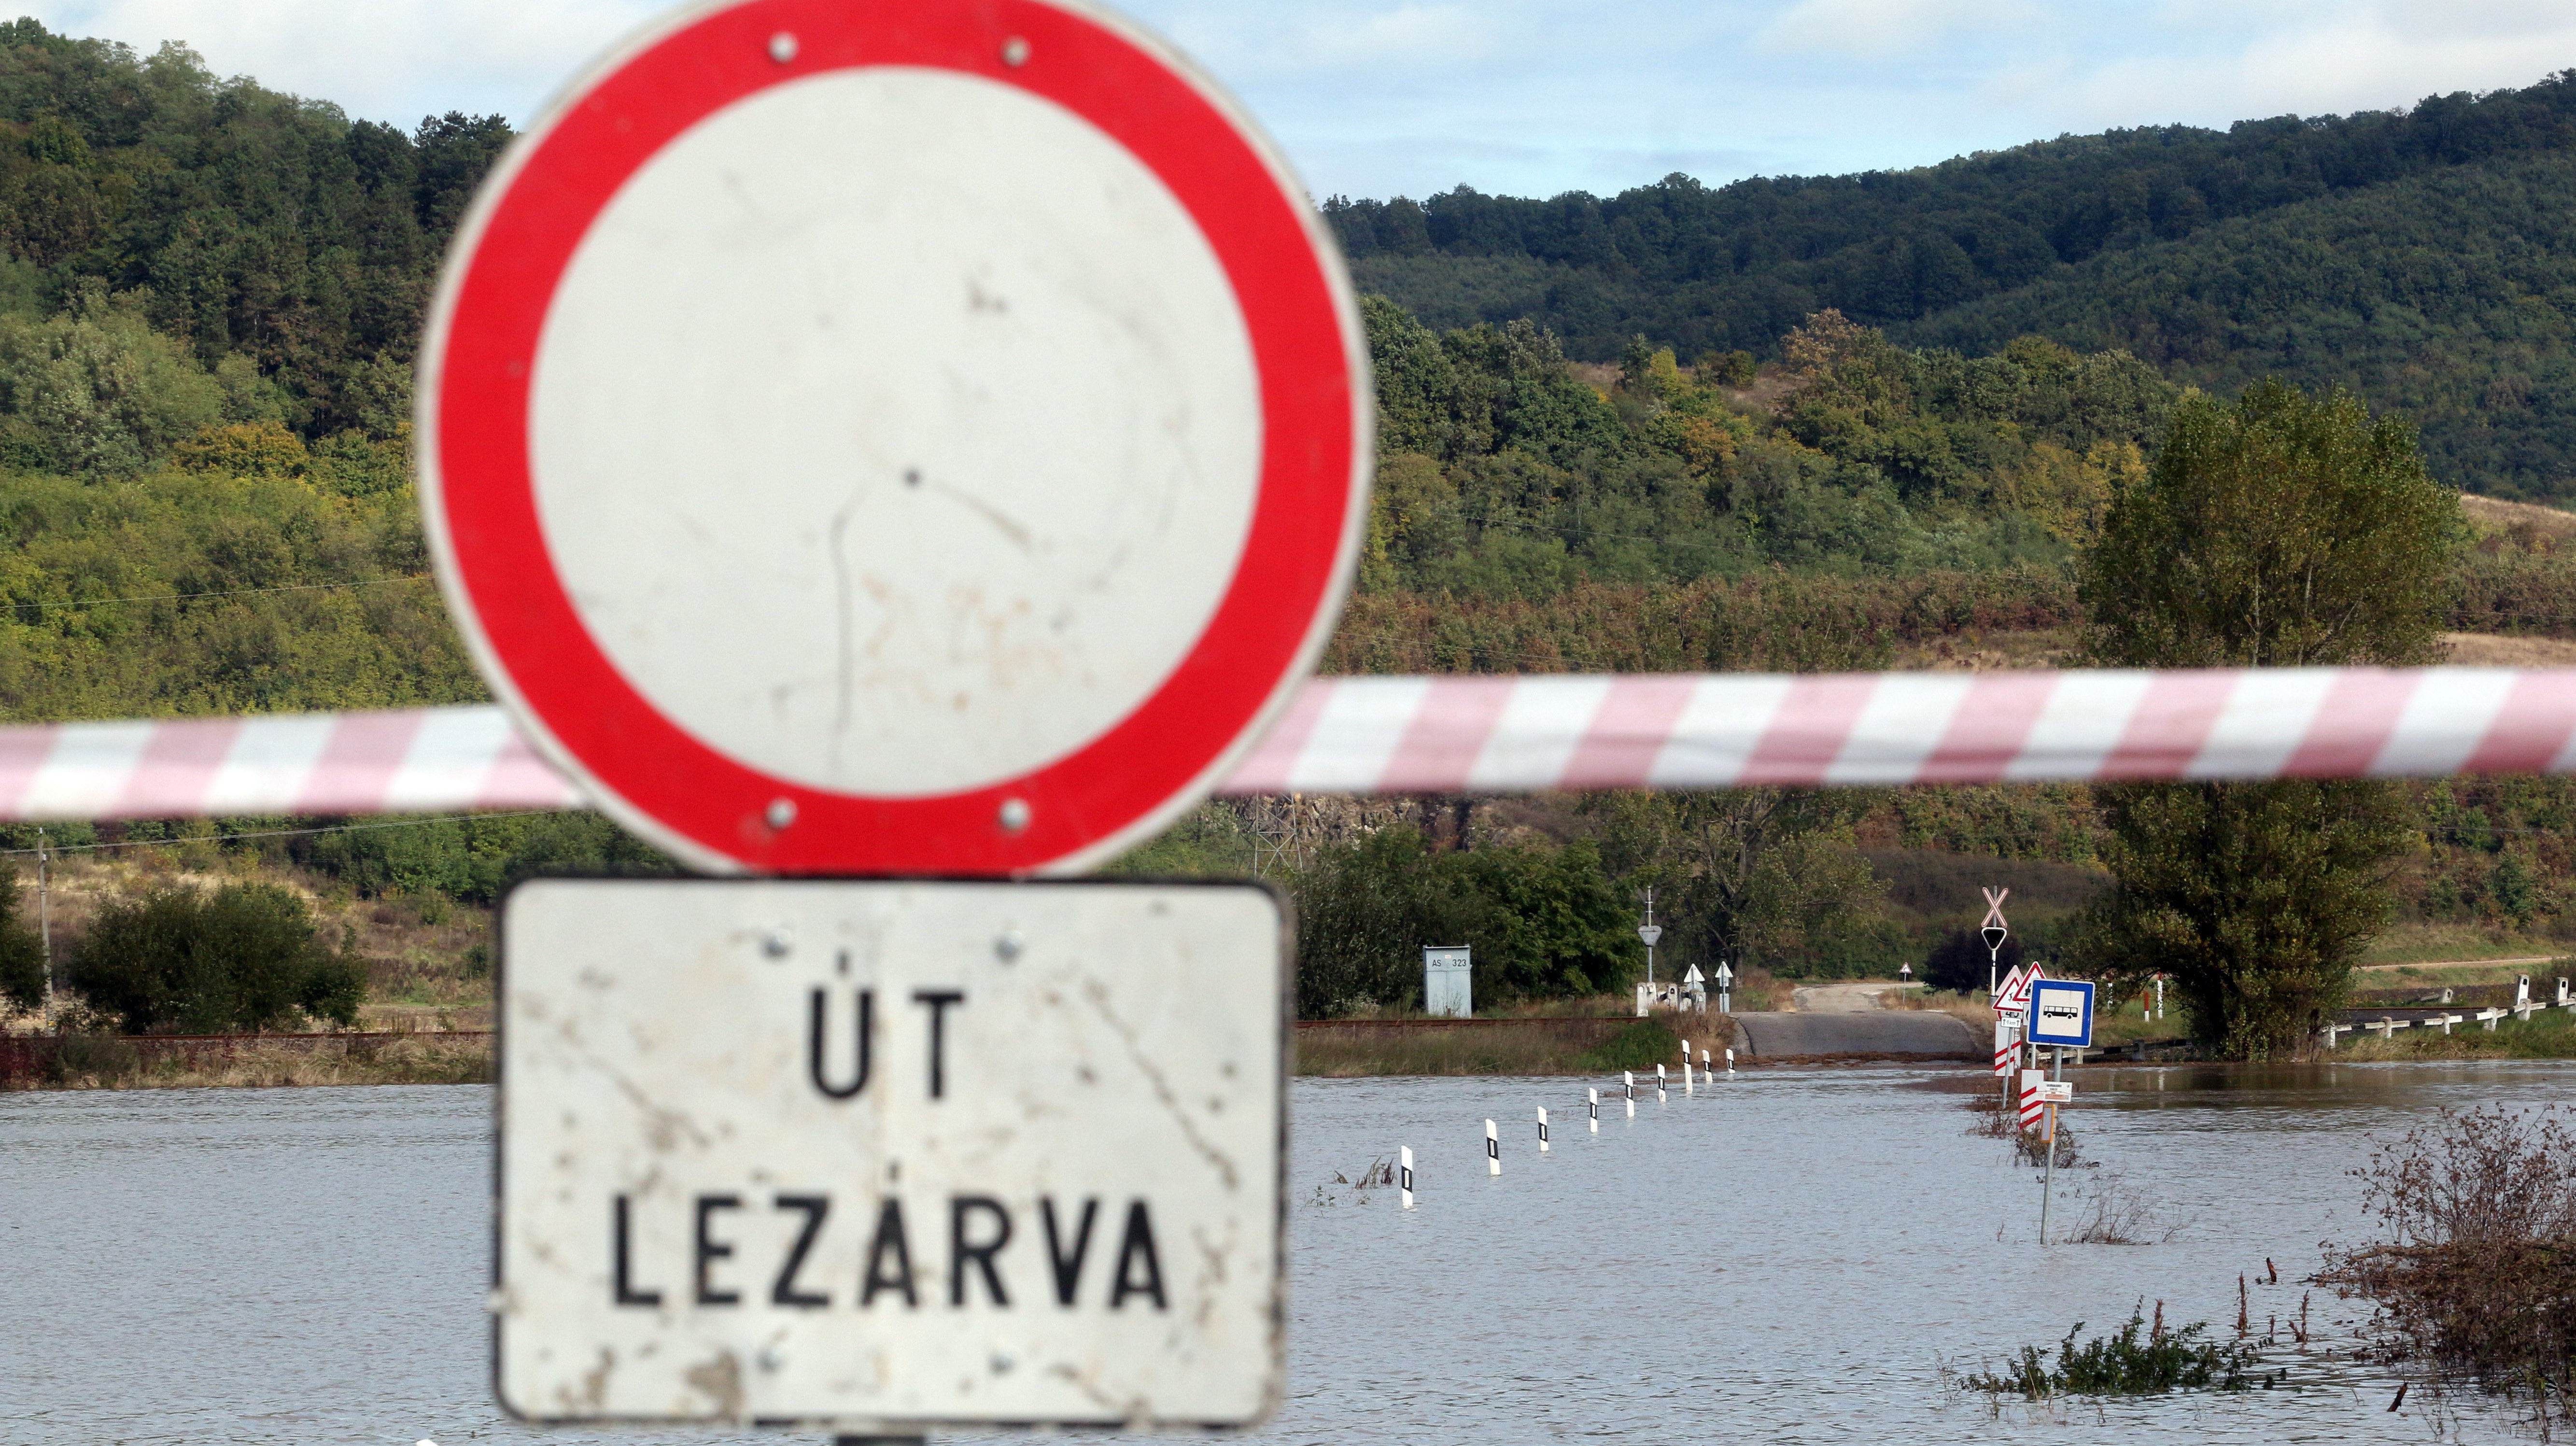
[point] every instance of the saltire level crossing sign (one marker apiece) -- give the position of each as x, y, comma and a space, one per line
924, 439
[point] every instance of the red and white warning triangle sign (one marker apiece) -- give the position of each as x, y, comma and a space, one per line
2014, 995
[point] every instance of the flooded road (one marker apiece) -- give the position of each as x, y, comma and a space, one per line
1784, 1258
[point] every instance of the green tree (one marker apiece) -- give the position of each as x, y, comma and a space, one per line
1748, 875
243, 957
22, 954
2284, 530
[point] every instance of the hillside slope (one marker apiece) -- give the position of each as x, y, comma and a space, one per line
2427, 258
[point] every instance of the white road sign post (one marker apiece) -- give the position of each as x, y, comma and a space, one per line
884, 1154
925, 441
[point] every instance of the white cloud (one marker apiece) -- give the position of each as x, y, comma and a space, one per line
1885, 27
393, 60
1375, 97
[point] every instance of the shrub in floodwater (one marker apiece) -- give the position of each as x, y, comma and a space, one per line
245, 956
2137, 1361
2478, 1279
1642, 1045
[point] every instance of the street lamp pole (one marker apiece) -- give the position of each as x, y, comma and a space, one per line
1650, 931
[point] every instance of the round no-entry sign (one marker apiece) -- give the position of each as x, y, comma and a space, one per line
922, 437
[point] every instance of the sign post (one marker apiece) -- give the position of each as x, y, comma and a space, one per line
2061, 1017
1725, 984
1650, 931
1994, 932
892, 453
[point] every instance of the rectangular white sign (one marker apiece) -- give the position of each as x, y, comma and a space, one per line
886, 1155
2056, 1092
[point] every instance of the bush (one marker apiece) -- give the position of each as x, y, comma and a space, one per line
22, 955
244, 957
2123, 1364
2478, 1278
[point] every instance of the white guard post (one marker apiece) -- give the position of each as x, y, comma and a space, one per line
1660, 1077
1592, 1106
1542, 1129
1493, 1150
1629, 1092
1404, 1177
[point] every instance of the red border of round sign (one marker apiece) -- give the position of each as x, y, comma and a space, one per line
1293, 554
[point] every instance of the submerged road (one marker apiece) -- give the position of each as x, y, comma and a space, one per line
1852, 1019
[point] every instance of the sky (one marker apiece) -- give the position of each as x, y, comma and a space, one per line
1536, 97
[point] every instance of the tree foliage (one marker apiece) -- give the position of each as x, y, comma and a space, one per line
2284, 530
244, 956
2421, 254
22, 953
1540, 923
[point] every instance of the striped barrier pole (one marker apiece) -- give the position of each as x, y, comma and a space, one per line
1493, 1150
1405, 1178
1592, 1104
1542, 1129
2030, 1104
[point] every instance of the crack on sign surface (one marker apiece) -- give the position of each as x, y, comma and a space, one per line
1098, 994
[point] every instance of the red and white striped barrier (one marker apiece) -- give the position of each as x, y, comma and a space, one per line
423, 760
1516, 734
1471, 734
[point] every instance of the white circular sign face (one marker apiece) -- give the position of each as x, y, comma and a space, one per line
921, 439
971, 413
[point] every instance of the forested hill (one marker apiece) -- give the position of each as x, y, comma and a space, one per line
2426, 258
241, 222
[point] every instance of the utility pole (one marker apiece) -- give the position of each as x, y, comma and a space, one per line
45, 925
1650, 931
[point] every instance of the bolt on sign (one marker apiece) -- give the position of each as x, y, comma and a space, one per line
869, 441
920, 439
885, 1154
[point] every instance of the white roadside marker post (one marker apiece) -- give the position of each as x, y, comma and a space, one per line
1493, 1150
1630, 1092
1730, 1064
1542, 1129
1660, 1097
1592, 1104
1686, 1069
1404, 1178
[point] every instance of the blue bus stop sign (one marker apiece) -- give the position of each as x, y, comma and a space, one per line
2061, 1013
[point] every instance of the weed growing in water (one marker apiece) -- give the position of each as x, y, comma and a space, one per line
2116, 1214
2479, 1279
1377, 1174
2137, 1361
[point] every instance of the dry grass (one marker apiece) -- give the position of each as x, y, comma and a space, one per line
2491, 516
421, 1059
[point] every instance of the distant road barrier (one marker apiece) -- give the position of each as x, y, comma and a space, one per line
1469, 733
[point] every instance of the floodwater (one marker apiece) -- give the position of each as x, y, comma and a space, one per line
1784, 1258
